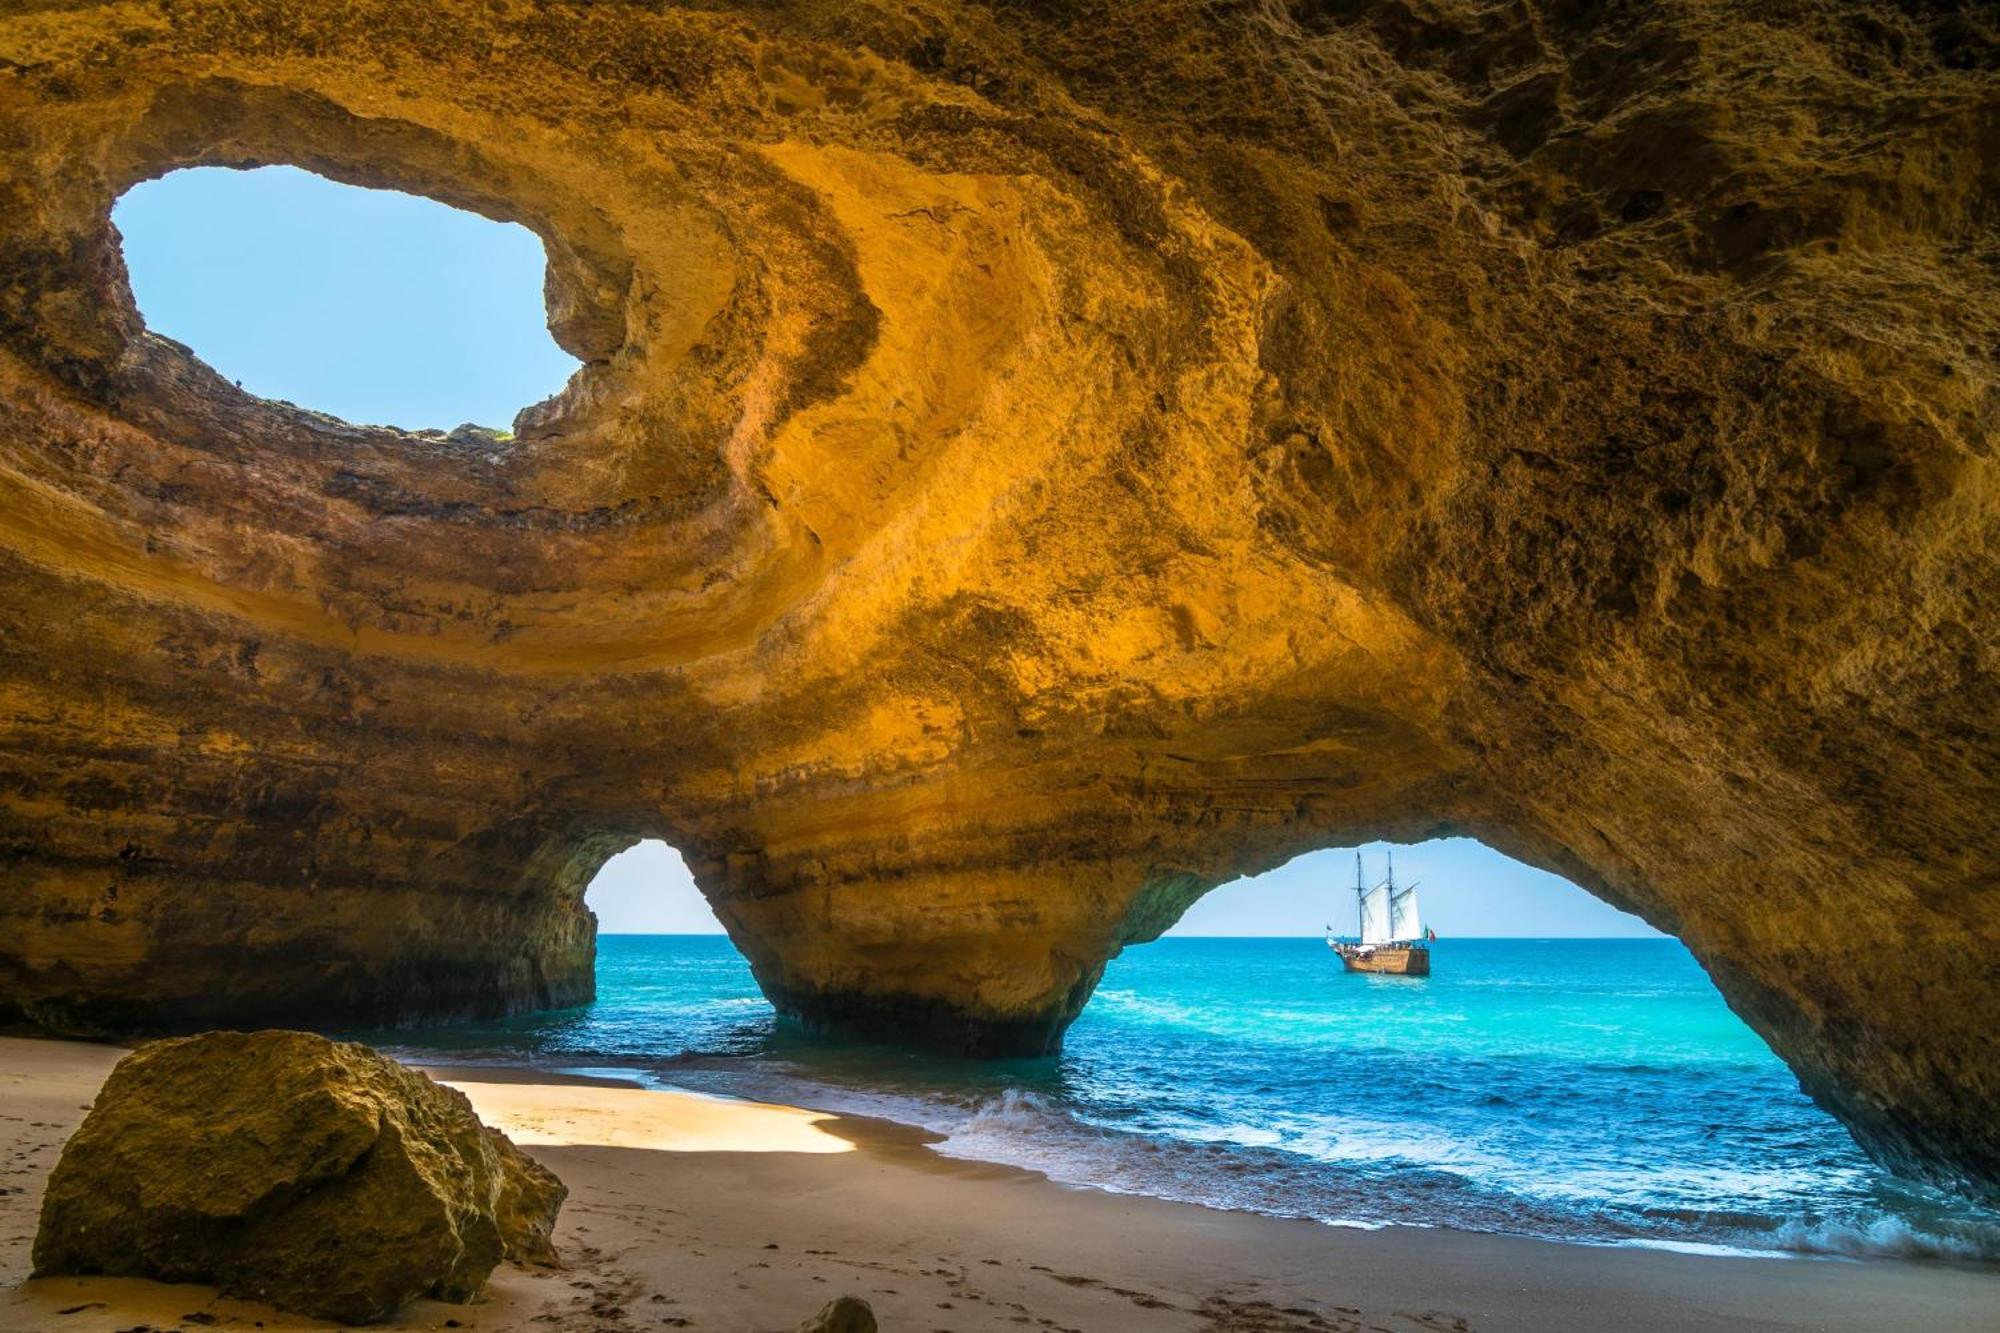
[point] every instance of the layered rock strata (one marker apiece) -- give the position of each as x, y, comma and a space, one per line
316, 1175
1031, 465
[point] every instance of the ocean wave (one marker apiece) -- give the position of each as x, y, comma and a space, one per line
1383, 1175
1015, 1110
1884, 1237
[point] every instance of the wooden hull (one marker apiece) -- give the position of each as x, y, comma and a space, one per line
1389, 962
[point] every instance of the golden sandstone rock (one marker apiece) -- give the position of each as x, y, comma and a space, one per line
313, 1174
1033, 464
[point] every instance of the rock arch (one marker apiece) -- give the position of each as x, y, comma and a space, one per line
1011, 491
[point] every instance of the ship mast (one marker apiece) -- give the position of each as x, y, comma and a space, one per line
1360, 902
1389, 901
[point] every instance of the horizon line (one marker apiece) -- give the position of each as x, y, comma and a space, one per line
723, 935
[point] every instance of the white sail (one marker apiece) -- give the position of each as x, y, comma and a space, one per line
1404, 922
1375, 916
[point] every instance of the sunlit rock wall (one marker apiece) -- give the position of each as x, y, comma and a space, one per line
1031, 465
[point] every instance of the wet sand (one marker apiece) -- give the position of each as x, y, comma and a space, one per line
696, 1212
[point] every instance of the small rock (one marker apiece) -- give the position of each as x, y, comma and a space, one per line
474, 434
843, 1314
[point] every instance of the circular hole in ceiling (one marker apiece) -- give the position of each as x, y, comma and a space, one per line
373, 306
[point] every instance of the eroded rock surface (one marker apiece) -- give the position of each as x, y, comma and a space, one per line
1032, 464
316, 1175
843, 1314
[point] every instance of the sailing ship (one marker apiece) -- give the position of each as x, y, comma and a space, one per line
1392, 937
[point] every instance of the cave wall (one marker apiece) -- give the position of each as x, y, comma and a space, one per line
1031, 465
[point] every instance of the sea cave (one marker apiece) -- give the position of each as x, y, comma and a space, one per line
1005, 493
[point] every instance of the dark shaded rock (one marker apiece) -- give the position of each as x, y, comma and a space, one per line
843, 1314
313, 1174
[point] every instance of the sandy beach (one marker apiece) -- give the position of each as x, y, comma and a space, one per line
688, 1211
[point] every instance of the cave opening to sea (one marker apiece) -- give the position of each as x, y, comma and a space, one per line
371, 305
1567, 1071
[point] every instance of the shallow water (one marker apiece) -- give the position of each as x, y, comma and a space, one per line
1591, 1090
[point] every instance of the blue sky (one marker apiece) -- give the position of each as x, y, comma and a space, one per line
386, 308
1466, 888
376, 306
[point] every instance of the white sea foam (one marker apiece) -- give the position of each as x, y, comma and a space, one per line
1699, 1247
1879, 1237
1014, 1111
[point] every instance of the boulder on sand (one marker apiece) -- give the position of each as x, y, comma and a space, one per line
842, 1314
313, 1174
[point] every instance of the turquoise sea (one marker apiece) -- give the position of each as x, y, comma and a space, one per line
1586, 1090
